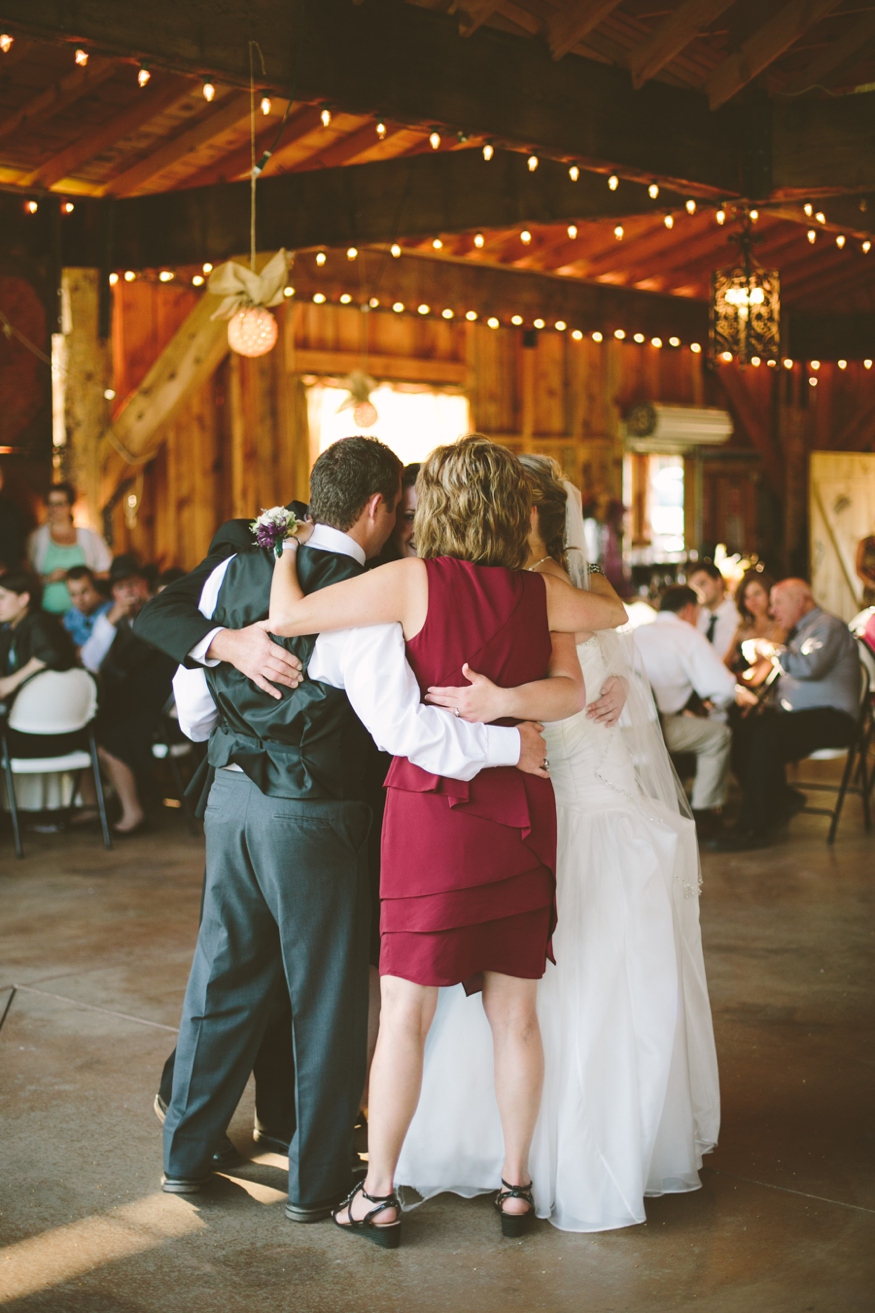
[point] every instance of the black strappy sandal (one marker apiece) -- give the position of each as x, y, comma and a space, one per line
513, 1225
388, 1234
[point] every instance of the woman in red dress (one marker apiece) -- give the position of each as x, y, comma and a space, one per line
468, 869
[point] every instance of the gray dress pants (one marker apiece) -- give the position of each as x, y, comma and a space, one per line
286, 890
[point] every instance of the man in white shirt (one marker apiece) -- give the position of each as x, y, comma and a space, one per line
287, 887
718, 615
684, 669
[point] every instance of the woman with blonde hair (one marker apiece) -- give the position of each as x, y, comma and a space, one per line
631, 1098
468, 870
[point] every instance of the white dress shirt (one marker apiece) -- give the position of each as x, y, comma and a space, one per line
371, 665
100, 640
728, 620
679, 660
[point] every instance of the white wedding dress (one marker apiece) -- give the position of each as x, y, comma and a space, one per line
631, 1098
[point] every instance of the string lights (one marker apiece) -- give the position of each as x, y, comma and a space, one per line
143, 76
265, 105
325, 116
6, 42
81, 58
209, 90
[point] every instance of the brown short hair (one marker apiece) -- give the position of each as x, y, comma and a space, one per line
550, 499
474, 503
347, 475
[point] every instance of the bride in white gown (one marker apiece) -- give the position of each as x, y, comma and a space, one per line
631, 1098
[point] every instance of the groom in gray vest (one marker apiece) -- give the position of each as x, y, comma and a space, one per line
286, 888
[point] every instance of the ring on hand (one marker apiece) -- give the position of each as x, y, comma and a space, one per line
546, 765
456, 711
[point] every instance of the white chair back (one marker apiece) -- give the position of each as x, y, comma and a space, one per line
867, 661
55, 702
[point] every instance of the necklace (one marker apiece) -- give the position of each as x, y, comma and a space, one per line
537, 563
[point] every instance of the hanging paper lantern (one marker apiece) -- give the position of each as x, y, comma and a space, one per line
252, 331
365, 414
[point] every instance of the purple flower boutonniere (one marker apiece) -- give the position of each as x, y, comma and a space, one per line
273, 527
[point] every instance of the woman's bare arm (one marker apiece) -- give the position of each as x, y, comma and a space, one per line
560, 695
394, 592
573, 610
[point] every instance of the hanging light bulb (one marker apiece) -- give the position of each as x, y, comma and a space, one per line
726, 356
143, 76
560, 325
209, 90
720, 216
398, 307
674, 341
808, 209
265, 105
395, 250
788, 364
81, 58
129, 275
574, 173
68, 207
492, 322
613, 182
198, 280
755, 361
207, 267
639, 338
31, 206
437, 244
321, 257
690, 206
479, 241
381, 130
423, 309
6, 42
532, 163
813, 381
516, 320
842, 364
598, 337
434, 139
811, 235
325, 116
840, 241
577, 335
447, 314
488, 151
815, 365
352, 253
669, 221
319, 298
525, 237
113, 279
470, 315
620, 334
345, 298
373, 303
867, 364
754, 216
653, 190
619, 232
820, 216
166, 276
866, 247
656, 341
572, 230
695, 348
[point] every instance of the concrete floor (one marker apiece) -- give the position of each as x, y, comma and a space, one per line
99, 945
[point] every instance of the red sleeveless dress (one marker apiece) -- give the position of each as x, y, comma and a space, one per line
468, 869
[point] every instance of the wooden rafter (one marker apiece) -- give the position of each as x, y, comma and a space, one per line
833, 56
672, 36
148, 105
55, 99
231, 111
346, 149
575, 21
474, 13
238, 162
763, 48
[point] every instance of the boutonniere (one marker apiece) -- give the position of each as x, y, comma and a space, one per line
274, 527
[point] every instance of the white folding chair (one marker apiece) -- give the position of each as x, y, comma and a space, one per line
54, 702
856, 756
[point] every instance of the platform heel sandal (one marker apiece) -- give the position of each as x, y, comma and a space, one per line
514, 1225
386, 1234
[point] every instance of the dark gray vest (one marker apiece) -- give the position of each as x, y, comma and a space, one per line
310, 743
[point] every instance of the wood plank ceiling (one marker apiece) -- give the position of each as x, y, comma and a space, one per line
91, 129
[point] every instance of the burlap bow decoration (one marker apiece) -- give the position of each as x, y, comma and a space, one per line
242, 289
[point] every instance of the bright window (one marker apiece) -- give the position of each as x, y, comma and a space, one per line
411, 420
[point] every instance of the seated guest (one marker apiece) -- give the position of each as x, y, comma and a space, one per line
135, 684
752, 601
87, 603
30, 641
718, 618
815, 705
688, 680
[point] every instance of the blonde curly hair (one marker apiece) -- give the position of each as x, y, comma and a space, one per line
474, 503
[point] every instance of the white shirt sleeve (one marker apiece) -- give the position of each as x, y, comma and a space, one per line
372, 666
194, 702
98, 643
708, 675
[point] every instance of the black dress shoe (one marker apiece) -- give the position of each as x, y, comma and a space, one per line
183, 1184
226, 1156
272, 1143
738, 841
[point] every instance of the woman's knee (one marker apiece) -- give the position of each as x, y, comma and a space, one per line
406, 1008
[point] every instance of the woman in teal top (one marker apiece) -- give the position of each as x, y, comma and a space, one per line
58, 545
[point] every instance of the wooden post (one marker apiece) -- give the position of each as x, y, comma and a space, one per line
89, 376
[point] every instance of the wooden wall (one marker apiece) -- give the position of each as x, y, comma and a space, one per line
240, 442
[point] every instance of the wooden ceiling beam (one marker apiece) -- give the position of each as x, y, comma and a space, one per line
574, 21
231, 111
238, 162
764, 47
833, 56
672, 36
163, 92
60, 96
345, 149
474, 13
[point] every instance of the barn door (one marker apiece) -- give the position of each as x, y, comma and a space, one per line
841, 493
